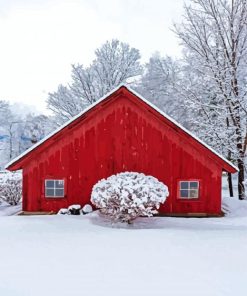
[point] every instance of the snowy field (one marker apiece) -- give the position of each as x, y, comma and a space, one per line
86, 255
78, 255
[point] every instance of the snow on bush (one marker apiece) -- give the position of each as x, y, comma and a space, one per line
63, 211
11, 187
126, 196
74, 209
87, 209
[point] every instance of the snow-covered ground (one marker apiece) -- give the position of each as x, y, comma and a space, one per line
86, 255
7, 210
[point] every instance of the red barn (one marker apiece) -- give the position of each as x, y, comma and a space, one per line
122, 132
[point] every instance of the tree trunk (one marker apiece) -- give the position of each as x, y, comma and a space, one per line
229, 179
240, 160
229, 175
241, 189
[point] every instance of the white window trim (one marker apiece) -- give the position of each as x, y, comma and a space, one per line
54, 188
189, 189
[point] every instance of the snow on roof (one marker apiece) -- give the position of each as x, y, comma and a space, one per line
102, 99
181, 127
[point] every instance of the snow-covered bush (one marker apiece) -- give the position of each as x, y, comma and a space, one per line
126, 196
74, 209
63, 211
11, 188
87, 209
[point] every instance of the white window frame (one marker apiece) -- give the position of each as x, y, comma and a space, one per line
189, 189
54, 188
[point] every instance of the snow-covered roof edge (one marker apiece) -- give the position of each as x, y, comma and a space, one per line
102, 99
181, 127
63, 126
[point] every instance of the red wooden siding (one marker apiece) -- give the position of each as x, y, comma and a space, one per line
122, 134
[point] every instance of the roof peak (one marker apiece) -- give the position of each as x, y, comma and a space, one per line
125, 85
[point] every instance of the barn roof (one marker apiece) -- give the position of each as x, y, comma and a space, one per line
13, 164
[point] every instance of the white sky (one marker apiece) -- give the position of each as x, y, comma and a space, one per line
40, 39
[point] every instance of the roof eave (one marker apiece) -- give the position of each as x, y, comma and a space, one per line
230, 169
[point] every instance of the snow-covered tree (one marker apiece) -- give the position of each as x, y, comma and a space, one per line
115, 62
8, 131
18, 133
33, 129
11, 188
214, 33
159, 84
4, 110
4, 113
64, 104
126, 196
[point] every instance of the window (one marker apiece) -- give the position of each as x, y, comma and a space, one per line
188, 189
54, 188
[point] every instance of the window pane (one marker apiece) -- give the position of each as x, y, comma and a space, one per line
49, 183
59, 184
59, 192
49, 192
184, 185
194, 185
184, 193
194, 193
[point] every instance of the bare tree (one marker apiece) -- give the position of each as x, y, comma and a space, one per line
215, 34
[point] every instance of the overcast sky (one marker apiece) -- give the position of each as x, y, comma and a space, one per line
40, 39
